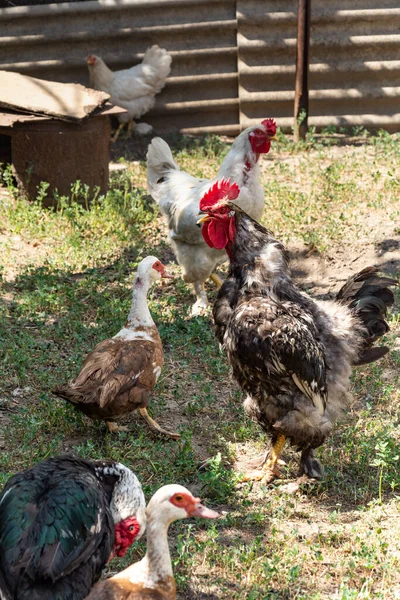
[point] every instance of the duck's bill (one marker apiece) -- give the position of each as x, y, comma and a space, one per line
200, 510
166, 275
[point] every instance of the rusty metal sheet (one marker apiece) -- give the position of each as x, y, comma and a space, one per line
354, 62
233, 61
65, 101
53, 42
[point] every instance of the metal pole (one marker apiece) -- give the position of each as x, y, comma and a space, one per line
302, 68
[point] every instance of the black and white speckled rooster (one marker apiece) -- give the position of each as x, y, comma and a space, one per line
292, 355
61, 521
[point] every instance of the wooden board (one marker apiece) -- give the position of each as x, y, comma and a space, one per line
66, 101
9, 119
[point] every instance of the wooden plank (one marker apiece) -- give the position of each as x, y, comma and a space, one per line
8, 119
65, 101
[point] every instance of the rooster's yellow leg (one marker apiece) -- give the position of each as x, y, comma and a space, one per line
270, 469
131, 125
116, 135
114, 428
154, 425
216, 280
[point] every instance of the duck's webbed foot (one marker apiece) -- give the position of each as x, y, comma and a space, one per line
114, 427
310, 466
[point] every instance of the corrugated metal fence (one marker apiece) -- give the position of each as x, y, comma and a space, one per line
233, 60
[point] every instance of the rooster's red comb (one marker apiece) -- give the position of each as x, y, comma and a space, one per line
221, 189
270, 126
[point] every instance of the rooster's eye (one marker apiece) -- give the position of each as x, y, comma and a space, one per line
131, 528
259, 132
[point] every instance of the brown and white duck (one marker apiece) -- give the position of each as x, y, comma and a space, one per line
152, 577
118, 376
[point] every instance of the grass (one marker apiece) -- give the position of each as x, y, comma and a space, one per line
66, 284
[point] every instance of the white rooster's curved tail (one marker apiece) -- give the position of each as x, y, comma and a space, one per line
156, 66
159, 162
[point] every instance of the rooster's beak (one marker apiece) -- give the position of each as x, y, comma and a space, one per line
273, 138
203, 218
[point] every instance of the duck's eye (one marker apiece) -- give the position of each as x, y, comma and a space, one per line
179, 498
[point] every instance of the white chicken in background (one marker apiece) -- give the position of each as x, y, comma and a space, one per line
133, 89
178, 195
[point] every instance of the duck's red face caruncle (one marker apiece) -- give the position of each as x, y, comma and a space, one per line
217, 217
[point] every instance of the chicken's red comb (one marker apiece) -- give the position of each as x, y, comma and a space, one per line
270, 126
221, 189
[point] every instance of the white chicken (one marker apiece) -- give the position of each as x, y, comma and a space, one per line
133, 89
178, 195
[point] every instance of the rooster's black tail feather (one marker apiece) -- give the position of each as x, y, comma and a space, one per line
369, 296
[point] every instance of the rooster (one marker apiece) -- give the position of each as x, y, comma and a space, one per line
133, 89
292, 355
178, 195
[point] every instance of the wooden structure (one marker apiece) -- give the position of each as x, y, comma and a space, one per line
44, 149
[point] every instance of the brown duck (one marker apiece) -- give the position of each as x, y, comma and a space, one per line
118, 376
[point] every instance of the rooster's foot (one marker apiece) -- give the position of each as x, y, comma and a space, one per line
266, 475
259, 461
114, 428
156, 427
310, 466
270, 469
200, 307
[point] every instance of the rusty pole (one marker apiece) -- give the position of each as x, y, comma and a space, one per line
302, 68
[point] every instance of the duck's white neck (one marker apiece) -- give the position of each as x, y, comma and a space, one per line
155, 568
139, 315
158, 557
